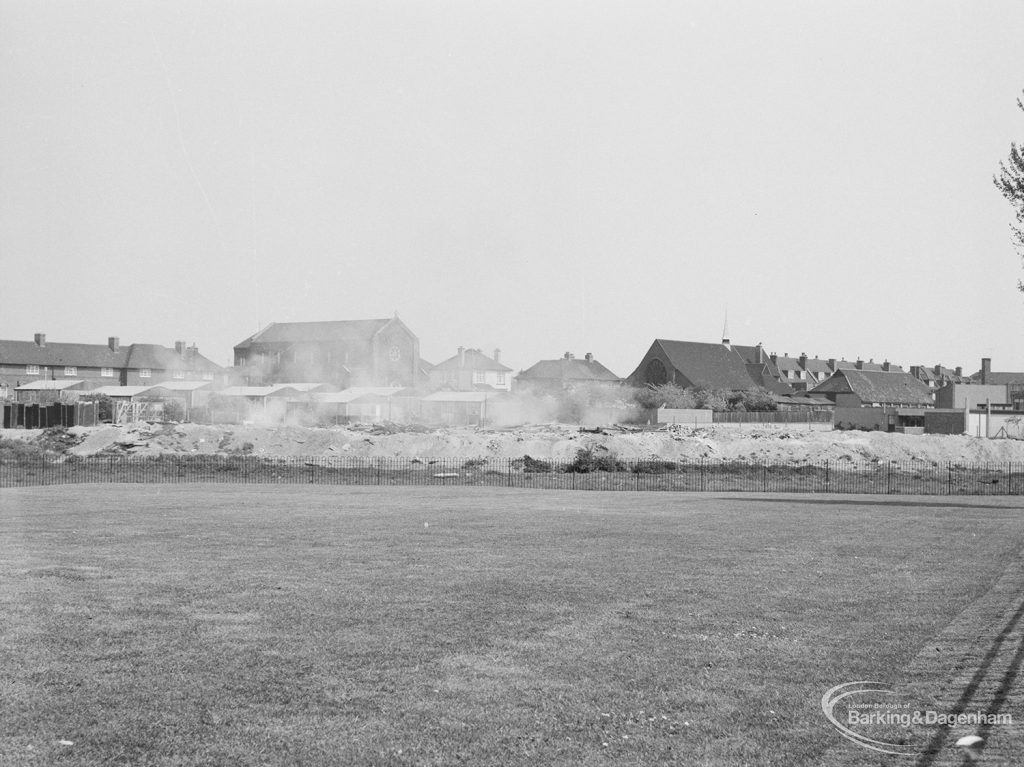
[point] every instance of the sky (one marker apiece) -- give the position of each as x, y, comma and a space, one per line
538, 177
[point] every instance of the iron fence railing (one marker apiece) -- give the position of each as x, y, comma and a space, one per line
892, 477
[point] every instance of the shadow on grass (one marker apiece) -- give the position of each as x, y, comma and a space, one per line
881, 502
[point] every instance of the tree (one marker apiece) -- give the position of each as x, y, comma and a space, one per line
1010, 181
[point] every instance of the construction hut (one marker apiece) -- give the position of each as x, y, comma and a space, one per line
363, 404
458, 408
48, 392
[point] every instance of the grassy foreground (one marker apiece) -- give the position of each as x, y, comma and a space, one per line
181, 625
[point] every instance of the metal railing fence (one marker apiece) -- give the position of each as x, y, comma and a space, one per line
893, 477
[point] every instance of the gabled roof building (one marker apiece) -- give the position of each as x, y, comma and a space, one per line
381, 352
874, 388
717, 366
565, 373
101, 364
471, 370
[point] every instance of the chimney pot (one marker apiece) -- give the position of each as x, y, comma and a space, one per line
40, 339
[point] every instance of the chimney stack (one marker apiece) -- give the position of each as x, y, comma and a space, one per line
937, 370
179, 348
859, 364
802, 359
113, 343
497, 355
832, 364
886, 366
760, 353
959, 370
588, 357
462, 356
40, 339
567, 356
773, 357
986, 368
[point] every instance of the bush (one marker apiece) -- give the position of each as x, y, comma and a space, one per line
587, 461
534, 465
655, 467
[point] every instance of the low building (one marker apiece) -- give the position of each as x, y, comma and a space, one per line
48, 392
874, 388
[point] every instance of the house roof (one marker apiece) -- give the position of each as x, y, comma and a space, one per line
471, 359
337, 331
568, 369
135, 356
61, 354
787, 363
1000, 378
877, 386
816, 365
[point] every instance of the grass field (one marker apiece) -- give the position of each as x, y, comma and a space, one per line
212, 624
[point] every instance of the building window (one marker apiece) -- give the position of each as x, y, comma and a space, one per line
501, 379
478, 376
179, 374
32, 370
107, 372
145, 373
70, 371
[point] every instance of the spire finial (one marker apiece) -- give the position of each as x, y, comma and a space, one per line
725, 329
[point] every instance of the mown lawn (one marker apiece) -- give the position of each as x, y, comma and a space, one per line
182, 625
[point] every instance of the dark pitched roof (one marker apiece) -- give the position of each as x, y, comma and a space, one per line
712, 365
474, 359
345, 331
817, 366
133, 356
568, 369
61, 354
159, 357
756, 355
761, 375
1000, 378
877, 386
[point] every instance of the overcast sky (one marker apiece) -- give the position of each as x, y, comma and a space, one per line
536, 176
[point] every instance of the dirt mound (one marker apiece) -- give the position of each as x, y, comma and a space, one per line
556, 442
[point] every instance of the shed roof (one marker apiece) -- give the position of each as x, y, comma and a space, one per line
48, 385
121, 391
357, 392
